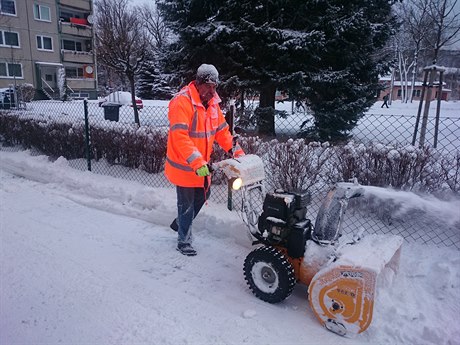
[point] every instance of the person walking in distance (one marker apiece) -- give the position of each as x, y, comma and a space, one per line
385, 100
195, 122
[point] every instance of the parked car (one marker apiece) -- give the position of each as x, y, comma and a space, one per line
121, 97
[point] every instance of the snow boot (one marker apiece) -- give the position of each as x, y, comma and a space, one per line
186, 249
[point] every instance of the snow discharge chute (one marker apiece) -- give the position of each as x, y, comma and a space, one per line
342, 277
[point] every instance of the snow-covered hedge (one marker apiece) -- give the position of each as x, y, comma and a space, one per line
141, 148
52, 138
291, 165
298, 164
134, 147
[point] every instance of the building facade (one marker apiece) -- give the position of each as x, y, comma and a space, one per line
395, 93
49, 44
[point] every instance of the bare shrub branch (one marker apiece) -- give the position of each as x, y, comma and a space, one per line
295, 165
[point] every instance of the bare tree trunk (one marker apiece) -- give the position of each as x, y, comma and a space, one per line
401, 76
414, 75
133, 100
392, 84
266, 119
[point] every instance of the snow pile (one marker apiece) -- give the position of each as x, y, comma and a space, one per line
372, 251
445, 211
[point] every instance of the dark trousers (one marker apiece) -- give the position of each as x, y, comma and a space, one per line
189, 203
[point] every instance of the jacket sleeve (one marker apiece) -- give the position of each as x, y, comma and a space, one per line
180, 116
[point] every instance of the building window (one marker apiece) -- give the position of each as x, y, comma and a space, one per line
42, 13
8, 7
10, 70
72, 45
416, 93
44, 43
8, 38
399, 93
74, 72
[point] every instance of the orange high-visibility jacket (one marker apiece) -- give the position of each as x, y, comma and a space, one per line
192, 131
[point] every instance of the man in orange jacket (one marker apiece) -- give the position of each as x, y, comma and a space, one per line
195, 121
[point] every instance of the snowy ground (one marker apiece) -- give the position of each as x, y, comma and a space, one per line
89, 259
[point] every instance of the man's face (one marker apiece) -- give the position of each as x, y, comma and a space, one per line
206, 91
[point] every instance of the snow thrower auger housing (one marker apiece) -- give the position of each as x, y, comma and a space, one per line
341, 276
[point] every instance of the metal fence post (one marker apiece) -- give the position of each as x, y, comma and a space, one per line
87, 141
230, 120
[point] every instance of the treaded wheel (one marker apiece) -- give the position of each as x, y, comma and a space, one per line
269, 275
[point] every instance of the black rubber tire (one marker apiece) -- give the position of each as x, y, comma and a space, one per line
269, 275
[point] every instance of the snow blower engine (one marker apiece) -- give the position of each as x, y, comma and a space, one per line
342, 275
283, 222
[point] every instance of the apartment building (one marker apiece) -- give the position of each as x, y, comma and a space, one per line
49, 44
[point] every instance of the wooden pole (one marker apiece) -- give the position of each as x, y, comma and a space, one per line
419, 112
426, 110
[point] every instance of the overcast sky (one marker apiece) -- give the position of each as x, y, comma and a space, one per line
140, 2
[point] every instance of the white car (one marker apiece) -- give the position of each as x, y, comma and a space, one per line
121, 97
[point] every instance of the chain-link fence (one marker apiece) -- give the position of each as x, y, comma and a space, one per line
387, 129
108, 141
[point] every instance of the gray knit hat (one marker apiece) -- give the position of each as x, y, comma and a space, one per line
207, 74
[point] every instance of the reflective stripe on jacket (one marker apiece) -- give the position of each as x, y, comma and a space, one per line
192, 131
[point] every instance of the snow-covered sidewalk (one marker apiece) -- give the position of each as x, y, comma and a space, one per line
89, 259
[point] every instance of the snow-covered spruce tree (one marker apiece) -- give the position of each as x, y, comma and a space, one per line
344, 81
145, 80
322, 51
152, 84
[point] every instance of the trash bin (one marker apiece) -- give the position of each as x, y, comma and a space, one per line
111, 111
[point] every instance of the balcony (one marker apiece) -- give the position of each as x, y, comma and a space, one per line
80, 4
75, 56
81, 83
73, 29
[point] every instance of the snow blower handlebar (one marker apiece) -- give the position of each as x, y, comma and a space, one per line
248, 168
245, 173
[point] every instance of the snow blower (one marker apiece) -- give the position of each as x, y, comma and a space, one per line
342, 276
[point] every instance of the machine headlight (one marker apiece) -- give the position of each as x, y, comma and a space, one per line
236, 183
